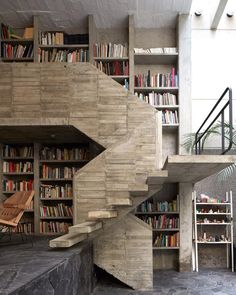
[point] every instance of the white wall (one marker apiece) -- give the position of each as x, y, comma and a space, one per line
213, 58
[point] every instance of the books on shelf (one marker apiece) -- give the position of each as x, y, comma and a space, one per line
7, 32
26, 227
13, 151
51, 38
56, 191
157, 50
110, 50
48, 172
28, 33
17, 185
17, 167
58, 55
55, 153
60, 210
17, 51
113, 68
164, 206
170, 117
167, 240
161, 221
158, 99
54, 227
156, 80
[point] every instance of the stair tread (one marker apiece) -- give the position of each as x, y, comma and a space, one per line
86, 227
67, 240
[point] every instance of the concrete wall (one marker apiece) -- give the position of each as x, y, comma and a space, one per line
126, 249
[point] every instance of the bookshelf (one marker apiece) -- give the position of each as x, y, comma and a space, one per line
213, 225
17, 172
16, 46
163, 217
57, 165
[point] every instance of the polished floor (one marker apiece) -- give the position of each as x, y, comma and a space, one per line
206, 282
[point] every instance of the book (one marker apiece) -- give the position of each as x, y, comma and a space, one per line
28, 33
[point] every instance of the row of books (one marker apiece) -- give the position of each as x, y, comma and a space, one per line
54, 227
9, 166
60, 210
110, 50
161, 222
167, 240
48, 172
168, 206
51, 38
17, 185
8, 33
56, 191
54, 153
150, 206
58, 55
113, 68
156, 80
154, 98
17, 51
170, 117
61, 38
25, 227
157, 50
12, 151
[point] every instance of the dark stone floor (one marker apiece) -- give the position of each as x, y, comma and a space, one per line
206, 282
39, 270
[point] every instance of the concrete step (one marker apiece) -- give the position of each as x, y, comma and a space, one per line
102, 214
67, 240
85, 227
157, 177
138, 189
119, 201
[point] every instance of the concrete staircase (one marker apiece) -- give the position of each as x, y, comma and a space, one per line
111, 185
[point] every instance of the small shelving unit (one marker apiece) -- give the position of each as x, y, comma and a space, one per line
213, 218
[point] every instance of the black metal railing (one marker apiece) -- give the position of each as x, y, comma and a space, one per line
200, 135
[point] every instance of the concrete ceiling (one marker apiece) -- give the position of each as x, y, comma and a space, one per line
69, 15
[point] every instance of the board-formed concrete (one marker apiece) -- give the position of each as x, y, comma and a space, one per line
194, 168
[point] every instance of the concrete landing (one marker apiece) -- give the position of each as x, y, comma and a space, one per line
195, 167
27, 270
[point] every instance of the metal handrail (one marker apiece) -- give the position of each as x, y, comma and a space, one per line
199, 136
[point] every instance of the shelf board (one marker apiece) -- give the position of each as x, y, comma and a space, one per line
217, 243
61, 217
56, 179
17, 158
122, 77
56, 199
65, 46
19, 59
155, 58
166, 107
165, 248
52, 234
165, 229
214, 204
173, 126
63, 161
110, 58
157, 212
213, 223
213, 213
18, 173
22, 40
157, 89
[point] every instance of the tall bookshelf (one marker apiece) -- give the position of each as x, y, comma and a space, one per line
213, 225
17, 163
49, 170
57, 166
162, 213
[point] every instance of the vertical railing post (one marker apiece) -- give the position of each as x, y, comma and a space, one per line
222, 131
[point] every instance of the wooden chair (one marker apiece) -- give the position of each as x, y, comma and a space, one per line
12, 209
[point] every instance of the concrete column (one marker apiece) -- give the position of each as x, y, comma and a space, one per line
185, 251
185, 99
